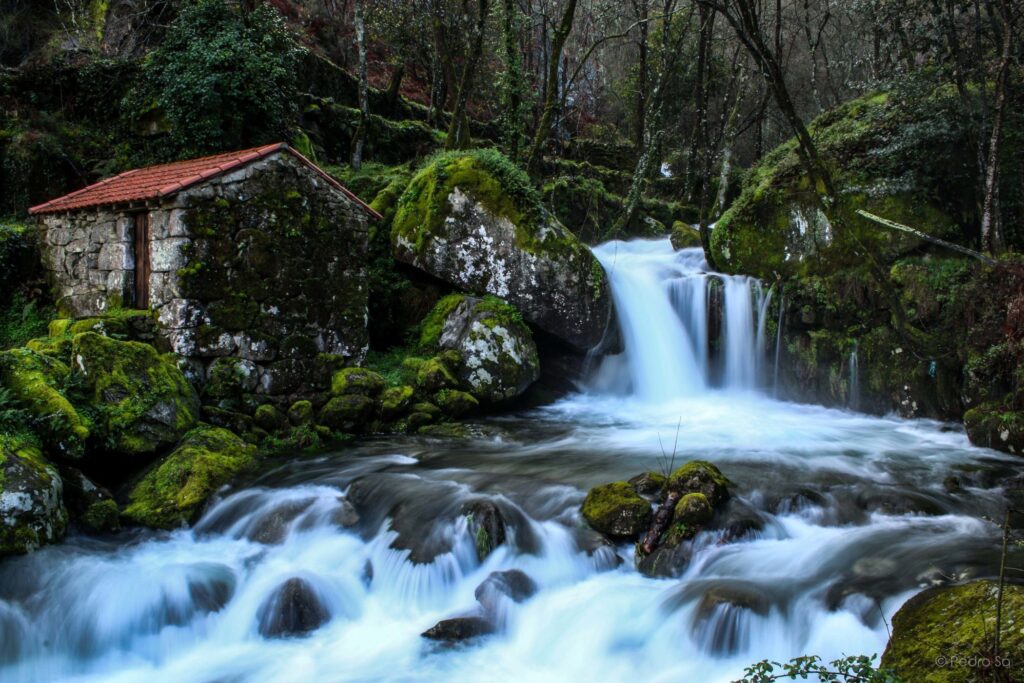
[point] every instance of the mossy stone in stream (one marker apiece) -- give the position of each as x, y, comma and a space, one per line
944, 635
32, 510
175, 490
347, 413
435, 375
700, 476
395, 401
684, 236
693, 510
300, 413
617, 510
996, 425
454, 403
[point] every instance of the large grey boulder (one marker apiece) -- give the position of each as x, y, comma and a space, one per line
474, 220
32, 511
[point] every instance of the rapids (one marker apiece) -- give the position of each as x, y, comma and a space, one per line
837, 519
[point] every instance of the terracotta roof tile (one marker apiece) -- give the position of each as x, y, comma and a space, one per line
164, 180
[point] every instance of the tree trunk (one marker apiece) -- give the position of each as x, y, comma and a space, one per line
458, 128
550, 88
991, 232
513, 86
662, 519
359, 140
395, 88
642, 68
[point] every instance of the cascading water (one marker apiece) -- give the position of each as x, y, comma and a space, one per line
854, 396
836, 518
662, 302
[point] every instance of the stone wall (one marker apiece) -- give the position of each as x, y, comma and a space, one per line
265, 265
89, 258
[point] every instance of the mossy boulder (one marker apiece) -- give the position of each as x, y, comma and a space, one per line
436, 374
700, 476
996, 425
617, 510
395, 401
454, 403
36, 381
474, 220
300, 413
893, 154
141, 399
684, 236
693, 510
348, 413
175, 490
229, 378
939, 635
496, 356
357, 381
32, 511
270, 418
123, 324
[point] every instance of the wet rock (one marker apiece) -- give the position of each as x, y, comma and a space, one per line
475, 224
487, 525
700, 476
666, 561
996, 425
455, 404
294, 609
175, 490
459, 629
32, 511
395, 402
684, 236
511, 584
300, 413
718, 621
616, 510
648, 484
91, 507
955, 622
739, 520
693, 510
346, 515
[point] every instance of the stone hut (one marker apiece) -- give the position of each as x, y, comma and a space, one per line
257, 257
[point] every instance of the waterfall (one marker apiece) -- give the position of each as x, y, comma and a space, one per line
853, 399
662, 301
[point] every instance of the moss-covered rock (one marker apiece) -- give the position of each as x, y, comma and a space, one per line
270, 418
175, 490
435, 375
939, 635
684, 236
892, 154
446, 430
996, 425
454, 403
300, 413
474, 220
101, 517
693, 510
616, 510
32, 511
648, 483
395, 401
141, 400
36, 381
347, 413
700, 476
357, 381
229, 378
124, 324
496, 357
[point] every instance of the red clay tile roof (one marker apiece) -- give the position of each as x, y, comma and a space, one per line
155, 182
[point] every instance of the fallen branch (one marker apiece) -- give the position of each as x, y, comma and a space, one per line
927, 238
662, 518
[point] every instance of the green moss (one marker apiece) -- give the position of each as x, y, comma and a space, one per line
684, 236
25, 472
955, 624
996, 425
700, 476
35, 381
448, 430
616, 509
348, 413
485, 174
118, 323
59, 327
395, 401
454, 403
142, 400
300, 413
693, 510
357, 381
269, 418
22, 319
101, 517
175, 491
435, 375
433, 324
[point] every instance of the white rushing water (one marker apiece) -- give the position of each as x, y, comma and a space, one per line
836, 519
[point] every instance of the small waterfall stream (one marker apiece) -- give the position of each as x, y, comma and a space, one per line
836, 518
